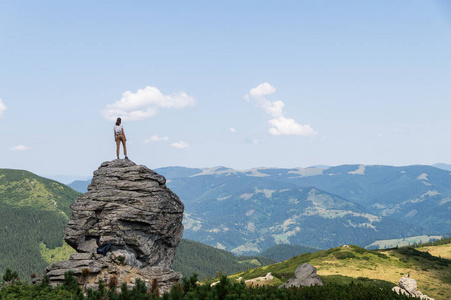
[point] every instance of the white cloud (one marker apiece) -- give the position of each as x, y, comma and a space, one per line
2, 108
288, 126
231, 129
145, 104
262, 90
274, 109
180, 145
156, 138
280, 125
20, 148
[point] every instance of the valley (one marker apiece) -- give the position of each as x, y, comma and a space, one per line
319, 207
284, 211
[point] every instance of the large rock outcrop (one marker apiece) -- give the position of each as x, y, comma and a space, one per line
129, 206
305, 275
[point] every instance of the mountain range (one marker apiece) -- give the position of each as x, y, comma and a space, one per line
246, 211
249, 211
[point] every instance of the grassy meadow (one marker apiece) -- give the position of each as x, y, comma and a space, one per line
385, 267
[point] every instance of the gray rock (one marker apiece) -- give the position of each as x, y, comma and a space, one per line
129, 258
81, 256
409, 285
400, 291
305, 275
129, 206
88, 247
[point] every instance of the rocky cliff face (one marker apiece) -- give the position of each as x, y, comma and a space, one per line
129, 206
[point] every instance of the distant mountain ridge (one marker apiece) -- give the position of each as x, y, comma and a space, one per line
248, 211
442, 166
316, 207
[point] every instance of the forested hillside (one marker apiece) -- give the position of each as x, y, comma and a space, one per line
206, 261
33, 210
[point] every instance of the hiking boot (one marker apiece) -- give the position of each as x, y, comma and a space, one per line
126, 157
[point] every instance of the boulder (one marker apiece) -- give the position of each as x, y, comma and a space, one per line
129, 206
408, 286
305, 275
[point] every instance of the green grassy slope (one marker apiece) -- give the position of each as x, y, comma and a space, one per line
283, 252
20, 188
440, 248
33, 211
352, 263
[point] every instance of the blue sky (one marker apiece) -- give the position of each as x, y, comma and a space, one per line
236, 83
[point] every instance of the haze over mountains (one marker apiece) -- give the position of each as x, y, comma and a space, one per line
251, 210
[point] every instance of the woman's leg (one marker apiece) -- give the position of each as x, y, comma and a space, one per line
123, 144
118, 143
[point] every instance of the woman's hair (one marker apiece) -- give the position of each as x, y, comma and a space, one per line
118, 121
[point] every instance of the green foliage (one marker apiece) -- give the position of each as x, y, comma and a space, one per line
225, 289
43, 291
190, 289
70, 284
283, 252
9, 277
121, 259
197, 258
440, 242
410, 252
56, 254
22, 188
346, 280
377, 253
33, 211
344, 255
22, 229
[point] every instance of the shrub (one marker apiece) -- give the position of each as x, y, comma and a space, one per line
121, 260
344, 255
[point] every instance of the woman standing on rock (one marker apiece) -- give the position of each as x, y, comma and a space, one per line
119, 136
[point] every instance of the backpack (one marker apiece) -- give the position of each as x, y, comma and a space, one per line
104, 248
